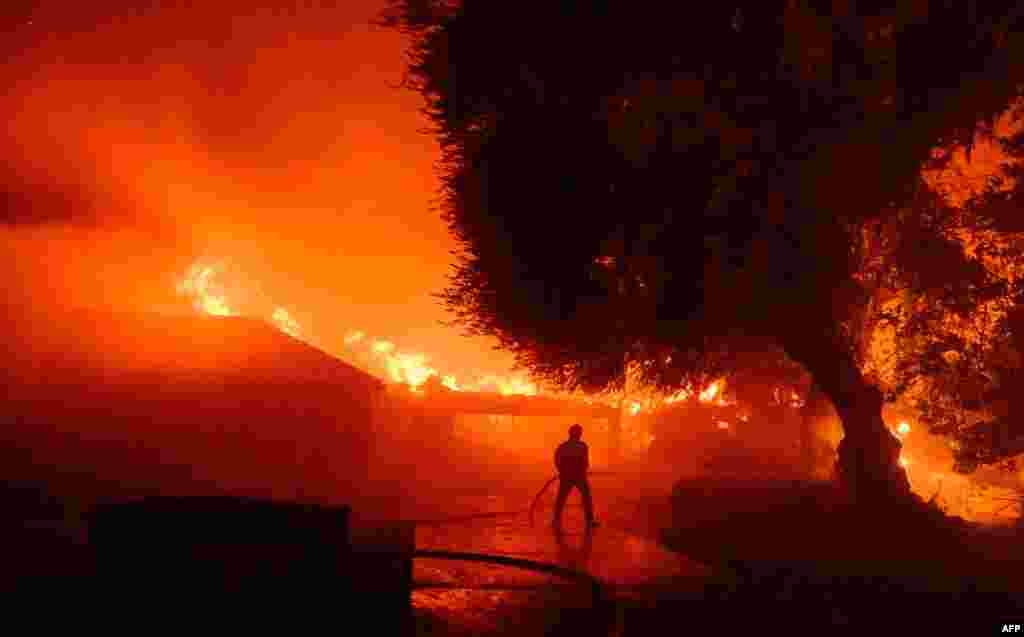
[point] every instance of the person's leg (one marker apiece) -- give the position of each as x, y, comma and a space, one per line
588, 503
563, 493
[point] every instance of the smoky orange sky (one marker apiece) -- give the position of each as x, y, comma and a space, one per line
273, 136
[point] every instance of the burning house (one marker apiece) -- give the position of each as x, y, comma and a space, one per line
491, 427
184, 405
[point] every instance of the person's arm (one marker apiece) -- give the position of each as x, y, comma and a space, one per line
586, 458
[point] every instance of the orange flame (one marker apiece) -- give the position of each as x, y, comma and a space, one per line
709, 394
409, 368
286, 323
713, 393
412, 369
198, 283
506, 386
208, 297
682, 394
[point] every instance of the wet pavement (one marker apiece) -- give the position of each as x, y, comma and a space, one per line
489, 517
624, 562
454, 597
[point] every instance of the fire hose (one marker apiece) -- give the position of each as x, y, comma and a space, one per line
543, 490
609, 610
498, 514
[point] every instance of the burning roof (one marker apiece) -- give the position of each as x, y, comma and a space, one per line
175, 345
216, 288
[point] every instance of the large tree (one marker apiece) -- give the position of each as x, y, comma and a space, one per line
653, 183
944, 331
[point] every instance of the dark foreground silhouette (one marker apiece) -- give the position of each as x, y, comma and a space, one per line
781, 556
181, 554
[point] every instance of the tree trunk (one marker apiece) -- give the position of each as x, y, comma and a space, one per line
868, 465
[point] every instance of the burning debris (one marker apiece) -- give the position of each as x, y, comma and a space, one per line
204, 283
286, 323
208, 297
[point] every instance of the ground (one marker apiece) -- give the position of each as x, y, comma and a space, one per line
740, 555
747, 553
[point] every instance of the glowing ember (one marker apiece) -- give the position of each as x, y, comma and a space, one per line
904, 462
709, 394
206, 297
512, 386
519, 387
286, 323
712, 394
449, 382
795, 401
505, 386
680, 395
409, 368
722, 424
903, 429
634, 409
685, 393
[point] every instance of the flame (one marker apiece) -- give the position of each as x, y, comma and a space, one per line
506, 386
198, 283
516, 386
287, 324
903, 429
414, 369
712, 394
634, 409
208, 295
795, 401
682, 394
709, 394
722, 424
409, 368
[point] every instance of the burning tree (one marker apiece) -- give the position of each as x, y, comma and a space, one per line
940, 328
658, 194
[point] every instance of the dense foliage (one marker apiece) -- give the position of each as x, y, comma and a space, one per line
664, 184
